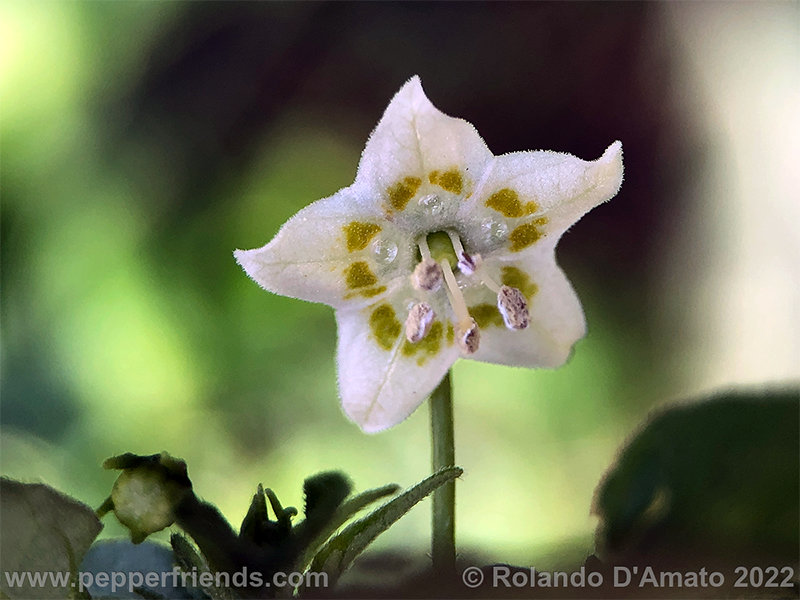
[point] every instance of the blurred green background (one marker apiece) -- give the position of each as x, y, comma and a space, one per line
143, 142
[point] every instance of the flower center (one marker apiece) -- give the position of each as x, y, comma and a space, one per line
439, 253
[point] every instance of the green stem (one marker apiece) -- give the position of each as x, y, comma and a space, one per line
443, 542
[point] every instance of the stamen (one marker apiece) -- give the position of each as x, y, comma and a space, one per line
490, 283
486, 280
419, 321
456, 241
469, 263
514, 307
427, 275
468, 335
424, 250
456, 298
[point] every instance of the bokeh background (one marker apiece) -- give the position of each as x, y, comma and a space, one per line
143, 142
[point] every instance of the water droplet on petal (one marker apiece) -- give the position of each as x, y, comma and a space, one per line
495, 231
432, 203
385, 251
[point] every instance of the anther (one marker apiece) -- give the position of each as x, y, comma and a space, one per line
468, 336
419, 321
514, 307
427, 275
469, 263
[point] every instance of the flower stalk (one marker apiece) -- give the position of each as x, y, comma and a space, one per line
443, 539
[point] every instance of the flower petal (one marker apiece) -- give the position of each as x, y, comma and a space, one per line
334, 251
532, 194
556, 316
414, 144
383, 378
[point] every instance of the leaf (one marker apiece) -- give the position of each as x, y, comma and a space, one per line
188, 559
42, 531
341, 516
713, 478
340, 551
186, 556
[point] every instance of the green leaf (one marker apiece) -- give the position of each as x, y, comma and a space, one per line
186, 556
341, 516
717, 478
340, 551
42, 531
188, 559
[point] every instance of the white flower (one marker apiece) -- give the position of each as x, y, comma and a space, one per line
439, 249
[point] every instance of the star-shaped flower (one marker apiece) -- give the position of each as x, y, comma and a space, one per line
438, 250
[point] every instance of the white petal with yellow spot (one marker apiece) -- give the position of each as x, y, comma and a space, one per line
438, 250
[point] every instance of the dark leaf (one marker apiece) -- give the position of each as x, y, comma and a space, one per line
717, 478
42, 531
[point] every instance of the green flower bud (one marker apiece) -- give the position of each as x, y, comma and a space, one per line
147, 492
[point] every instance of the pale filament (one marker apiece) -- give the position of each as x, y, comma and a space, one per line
456, 297
482, 275
456, 241
489, 282
424, 250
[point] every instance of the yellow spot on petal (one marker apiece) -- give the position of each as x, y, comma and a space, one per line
525, 235
384, 326
427, 346
451, 334
359, 234
358, 275
373, 291
402, 191
486, 315
450, 181
507, 203
516, 278
367, 293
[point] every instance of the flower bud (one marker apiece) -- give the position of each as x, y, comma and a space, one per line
148, 491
